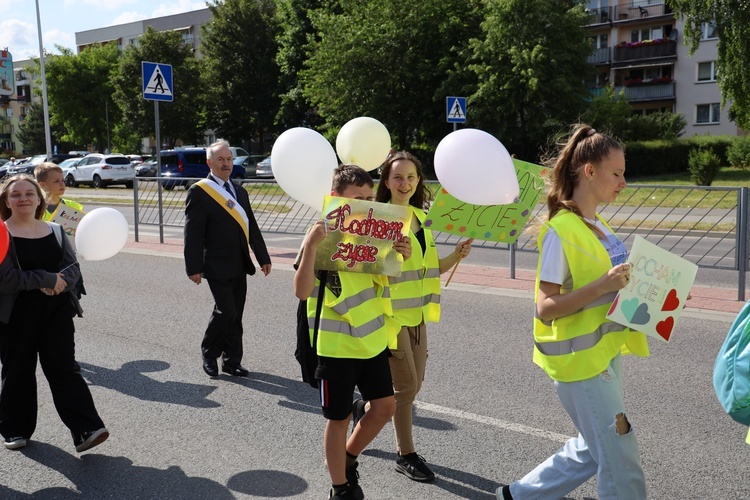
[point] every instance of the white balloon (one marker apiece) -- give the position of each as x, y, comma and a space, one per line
303, 162
475, 167
101, 234
363, 141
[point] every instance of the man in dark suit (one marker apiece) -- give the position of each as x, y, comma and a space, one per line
220, 229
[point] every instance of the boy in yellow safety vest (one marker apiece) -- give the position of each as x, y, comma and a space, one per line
50, 177
354, 335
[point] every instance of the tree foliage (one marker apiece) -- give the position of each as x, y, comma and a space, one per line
388, 59
239, 60
179, 119
295, 29
80, 91
31, 133
732, 21
530, 63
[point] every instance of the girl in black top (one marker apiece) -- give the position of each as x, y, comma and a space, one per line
36, 321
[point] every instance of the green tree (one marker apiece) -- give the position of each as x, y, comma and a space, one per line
731, 19
530, 64
31, 134
388, 59
79, 93
295, 30
180, 119
239, 57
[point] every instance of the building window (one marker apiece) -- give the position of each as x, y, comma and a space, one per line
707, 113
708, 31
707, 71
641, 35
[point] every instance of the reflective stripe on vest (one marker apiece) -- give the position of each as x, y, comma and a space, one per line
582, 344
357, 324
415, 294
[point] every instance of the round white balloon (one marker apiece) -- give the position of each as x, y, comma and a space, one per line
101, 234
303, 162
475, 167
363, 141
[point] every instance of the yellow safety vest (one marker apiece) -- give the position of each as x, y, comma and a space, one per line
415, 294
358, 324
581, 345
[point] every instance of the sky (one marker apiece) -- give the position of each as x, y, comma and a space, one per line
61, 19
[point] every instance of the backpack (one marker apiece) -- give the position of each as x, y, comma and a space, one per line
732, 369
306, 354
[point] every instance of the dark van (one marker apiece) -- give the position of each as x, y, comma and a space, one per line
184, 166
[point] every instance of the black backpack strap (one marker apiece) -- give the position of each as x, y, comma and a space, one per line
321, 291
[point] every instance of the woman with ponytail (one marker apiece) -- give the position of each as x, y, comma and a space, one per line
582, 265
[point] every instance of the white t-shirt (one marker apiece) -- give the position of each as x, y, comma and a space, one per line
555, 267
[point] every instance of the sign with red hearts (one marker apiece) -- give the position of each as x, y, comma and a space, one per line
653, 299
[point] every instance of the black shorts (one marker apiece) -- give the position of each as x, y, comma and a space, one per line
339, 376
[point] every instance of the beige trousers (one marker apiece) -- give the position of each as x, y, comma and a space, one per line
407, 370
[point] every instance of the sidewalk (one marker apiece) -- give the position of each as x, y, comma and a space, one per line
721, 300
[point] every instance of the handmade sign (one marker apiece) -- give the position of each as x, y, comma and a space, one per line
68, 218
502, 223
660, 282
361, 236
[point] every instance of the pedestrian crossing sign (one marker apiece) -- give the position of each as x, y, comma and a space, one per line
455, 109
157, 81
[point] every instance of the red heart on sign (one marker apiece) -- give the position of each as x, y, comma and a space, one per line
664, 328
672, 302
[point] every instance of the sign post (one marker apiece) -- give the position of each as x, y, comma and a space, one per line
455, 110
157, 86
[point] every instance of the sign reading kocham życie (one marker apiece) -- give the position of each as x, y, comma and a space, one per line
502, 223
361, 235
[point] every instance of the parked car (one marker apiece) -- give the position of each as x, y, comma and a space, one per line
248, 163
146, 169
135, 160
29, 166
237, 152
67, 165
100, 171
263, 169
178, 166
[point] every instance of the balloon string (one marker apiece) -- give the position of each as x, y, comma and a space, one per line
68, 266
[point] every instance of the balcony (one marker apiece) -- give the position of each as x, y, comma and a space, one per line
601, 56
659, 91
644, 50
639, 10
598, 16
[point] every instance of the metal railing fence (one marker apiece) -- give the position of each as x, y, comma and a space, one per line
705, 225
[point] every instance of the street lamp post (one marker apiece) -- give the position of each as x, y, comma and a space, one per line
47, 133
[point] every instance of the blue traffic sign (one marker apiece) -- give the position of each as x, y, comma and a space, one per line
157, 81
455, 109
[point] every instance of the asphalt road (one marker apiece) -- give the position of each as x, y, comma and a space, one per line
486, 414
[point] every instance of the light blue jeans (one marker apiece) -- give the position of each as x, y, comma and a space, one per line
602, 447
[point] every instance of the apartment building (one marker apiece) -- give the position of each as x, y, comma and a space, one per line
13, 107
640, 50
186, 24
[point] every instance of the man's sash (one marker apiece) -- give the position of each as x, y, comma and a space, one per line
232, 206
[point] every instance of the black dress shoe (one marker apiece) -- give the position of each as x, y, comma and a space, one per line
235, 370
210, 367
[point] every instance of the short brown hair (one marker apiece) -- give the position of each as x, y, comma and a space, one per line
5, 211
350, 175
41, 172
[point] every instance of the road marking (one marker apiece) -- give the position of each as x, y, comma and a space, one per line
501, 424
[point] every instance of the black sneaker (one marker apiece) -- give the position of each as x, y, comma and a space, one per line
352, 478
358, 411
346, 494
15, 443
88, 440
414, 467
